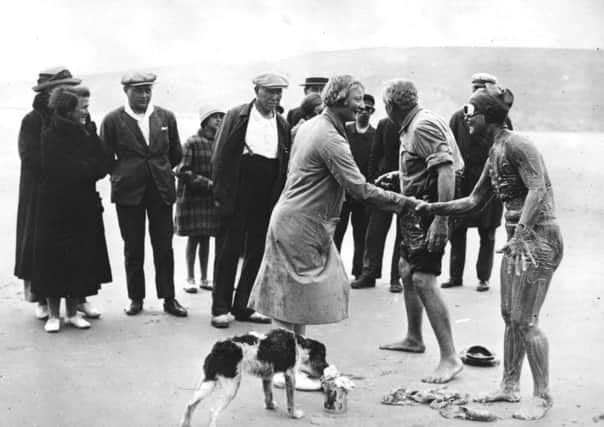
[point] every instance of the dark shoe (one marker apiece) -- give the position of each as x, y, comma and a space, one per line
363, 282
254, 318
483, 285
396, 287
172, 307
134, 308
451, 284
221, 321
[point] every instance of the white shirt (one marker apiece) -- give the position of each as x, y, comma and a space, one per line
261, 136
141, 119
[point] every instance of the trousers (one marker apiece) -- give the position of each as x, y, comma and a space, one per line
243, 234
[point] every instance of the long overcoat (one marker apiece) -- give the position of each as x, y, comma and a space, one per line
302, 278
29, 182
70, 251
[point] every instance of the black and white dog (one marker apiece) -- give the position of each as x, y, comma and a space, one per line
279, 350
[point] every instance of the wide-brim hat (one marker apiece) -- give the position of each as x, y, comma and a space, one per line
315, 81
205, 113
55, 76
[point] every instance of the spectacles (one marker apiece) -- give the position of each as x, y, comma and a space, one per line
369, 109
469, 110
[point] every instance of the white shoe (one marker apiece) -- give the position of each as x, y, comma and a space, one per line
53, 324
77, 321
41, 311
88, 310
190, 287
303, 382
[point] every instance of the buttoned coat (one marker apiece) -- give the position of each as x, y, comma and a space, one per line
302, 278
226, 160
138, 163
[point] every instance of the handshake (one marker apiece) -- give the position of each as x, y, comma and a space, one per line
390, 181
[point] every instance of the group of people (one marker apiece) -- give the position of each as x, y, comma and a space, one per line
277, 194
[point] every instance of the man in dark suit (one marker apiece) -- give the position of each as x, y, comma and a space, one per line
144, 139
249, 170
474, 150
311, 85
383, 158
360, 135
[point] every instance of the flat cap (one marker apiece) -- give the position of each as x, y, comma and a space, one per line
138, 79
270, 80
315, 81
480, 79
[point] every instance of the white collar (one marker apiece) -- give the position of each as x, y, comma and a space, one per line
137, 116
258, 115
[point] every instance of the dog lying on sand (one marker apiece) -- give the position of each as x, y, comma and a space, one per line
279, 350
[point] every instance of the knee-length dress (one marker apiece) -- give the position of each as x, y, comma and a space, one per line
302, 278
196, 214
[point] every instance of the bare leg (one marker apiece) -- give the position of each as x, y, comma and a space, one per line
204, 253
513, 346
204, 389
413, 342
190, 250
528, 298
450, 363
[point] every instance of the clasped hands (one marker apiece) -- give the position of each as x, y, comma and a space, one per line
436, 237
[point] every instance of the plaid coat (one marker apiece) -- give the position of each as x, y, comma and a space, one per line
196, 214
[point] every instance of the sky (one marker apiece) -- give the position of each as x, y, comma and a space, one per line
92, 36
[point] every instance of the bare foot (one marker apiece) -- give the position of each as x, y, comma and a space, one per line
500, 395
408, 345
534, 409
445, 371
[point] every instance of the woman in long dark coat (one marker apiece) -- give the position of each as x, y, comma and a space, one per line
70, 252
29, 151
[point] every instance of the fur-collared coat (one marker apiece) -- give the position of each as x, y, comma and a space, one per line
70, 251
31, 168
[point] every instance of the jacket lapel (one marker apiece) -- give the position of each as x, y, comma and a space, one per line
155, 128
132, 126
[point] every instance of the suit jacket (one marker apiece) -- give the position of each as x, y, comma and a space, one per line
384, 151
230, 142
137, 164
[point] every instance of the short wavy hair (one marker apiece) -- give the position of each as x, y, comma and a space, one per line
400, 92
336, 91
64, 99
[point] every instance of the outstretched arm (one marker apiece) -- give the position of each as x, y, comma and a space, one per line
481, 194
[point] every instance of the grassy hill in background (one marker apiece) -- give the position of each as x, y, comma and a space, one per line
555, 89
